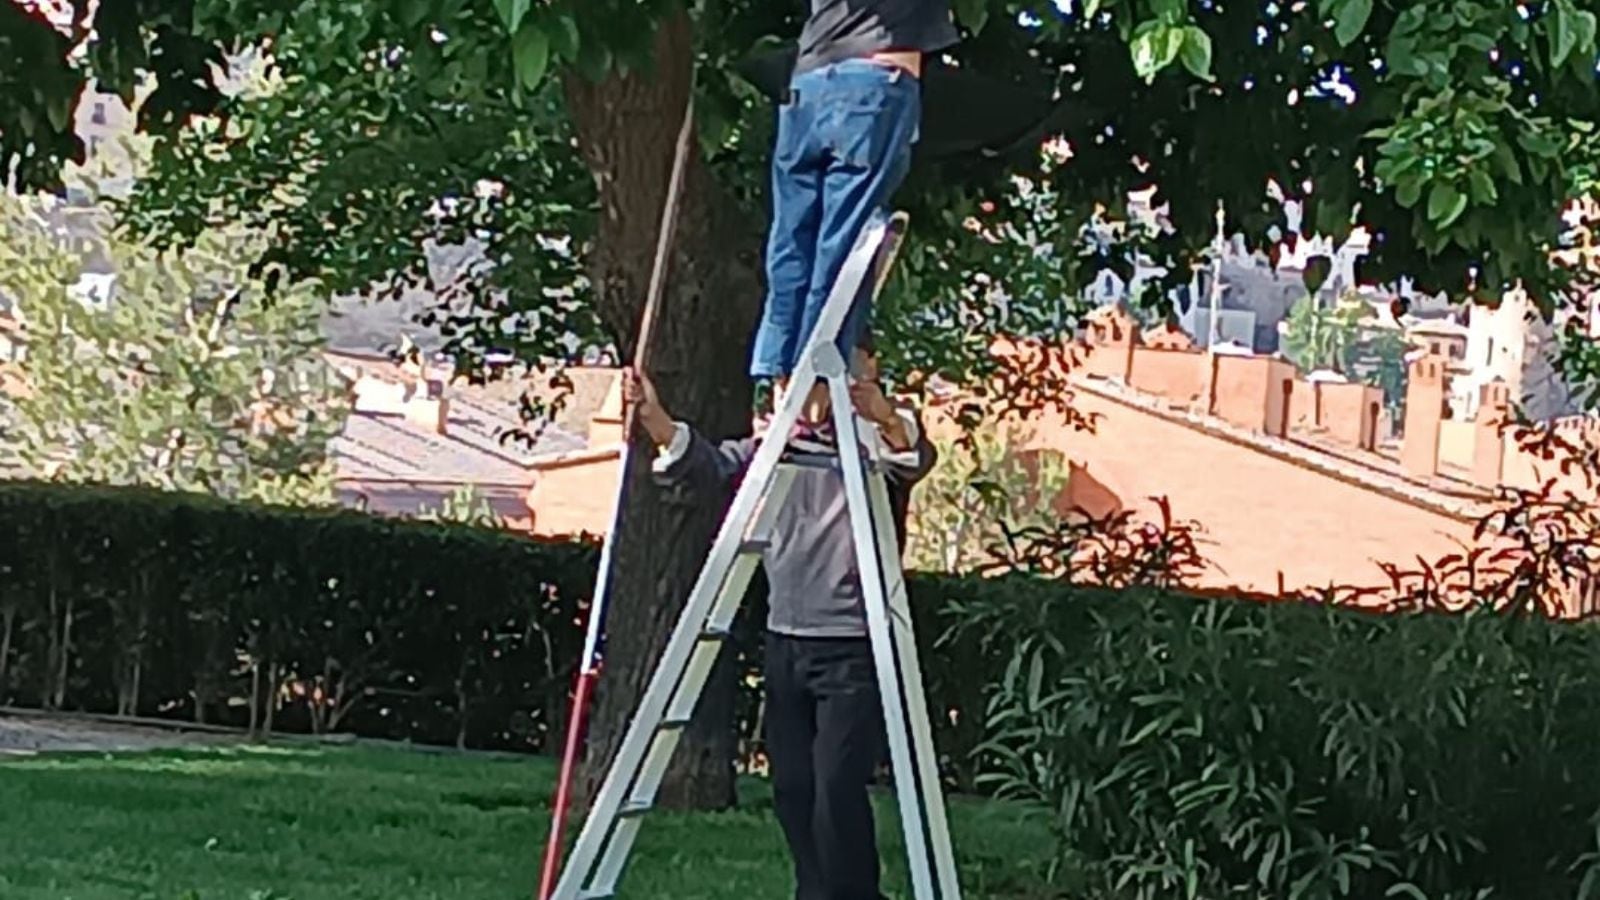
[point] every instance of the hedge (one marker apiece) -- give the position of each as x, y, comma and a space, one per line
152, 603
163, 604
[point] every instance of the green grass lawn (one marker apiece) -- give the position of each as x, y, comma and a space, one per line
290, 823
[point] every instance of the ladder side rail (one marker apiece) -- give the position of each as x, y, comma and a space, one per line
647, 781
869, 248
669, 669
910, 666
872, 594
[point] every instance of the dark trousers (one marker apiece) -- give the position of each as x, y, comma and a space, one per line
824, 739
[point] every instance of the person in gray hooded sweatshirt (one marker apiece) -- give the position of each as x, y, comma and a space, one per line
824, 721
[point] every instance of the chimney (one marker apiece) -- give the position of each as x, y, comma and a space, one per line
1425, 399
428, 407
1488, 438
1112, 335
605, 426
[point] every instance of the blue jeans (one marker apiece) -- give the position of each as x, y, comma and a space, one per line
844, 144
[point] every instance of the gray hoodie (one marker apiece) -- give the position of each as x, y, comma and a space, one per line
815, 587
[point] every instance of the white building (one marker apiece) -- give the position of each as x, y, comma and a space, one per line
1513, 343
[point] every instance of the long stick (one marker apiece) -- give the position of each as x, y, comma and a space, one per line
589, 662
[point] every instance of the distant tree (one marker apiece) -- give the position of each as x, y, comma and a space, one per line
1319, 337
1334, 338
981, 487
198, 370
1378, 358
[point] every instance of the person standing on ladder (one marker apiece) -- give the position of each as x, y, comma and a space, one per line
846, 126
824, 721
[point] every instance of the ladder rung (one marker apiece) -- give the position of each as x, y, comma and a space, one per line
810, 460
755, 546
596, 895
825, 461
715, 633
673, 724
633, 809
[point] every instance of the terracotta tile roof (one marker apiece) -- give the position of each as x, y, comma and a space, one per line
1368, 470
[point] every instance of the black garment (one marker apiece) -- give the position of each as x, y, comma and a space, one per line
824, 727
850, 29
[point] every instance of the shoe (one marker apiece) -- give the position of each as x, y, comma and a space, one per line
765, 400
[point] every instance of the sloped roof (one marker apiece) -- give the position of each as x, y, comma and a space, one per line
385, 447
486, 441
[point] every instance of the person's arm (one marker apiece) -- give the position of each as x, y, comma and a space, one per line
684, 458
690, 461
905, 450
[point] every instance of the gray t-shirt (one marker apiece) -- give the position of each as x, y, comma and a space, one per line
850, 29
814, 587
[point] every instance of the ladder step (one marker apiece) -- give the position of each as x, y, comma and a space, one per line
715, 633
633, 809
755, 546
596, 894
826, 461
673, 724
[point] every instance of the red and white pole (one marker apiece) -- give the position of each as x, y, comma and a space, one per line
589, 663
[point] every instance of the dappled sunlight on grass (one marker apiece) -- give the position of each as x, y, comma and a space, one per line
297, 823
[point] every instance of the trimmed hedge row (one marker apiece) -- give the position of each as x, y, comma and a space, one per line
161, 604
151, 603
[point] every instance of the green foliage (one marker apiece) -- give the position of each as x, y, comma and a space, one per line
1336, 339
389, 109
465, 506
36, 94
359, 160
1322, 337
200, 371
1225, 749
285, 618
981, 488
1379, 359
1435, 104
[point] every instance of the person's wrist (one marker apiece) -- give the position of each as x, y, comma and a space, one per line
893, 430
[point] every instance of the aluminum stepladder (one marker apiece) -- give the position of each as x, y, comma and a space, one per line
594, 868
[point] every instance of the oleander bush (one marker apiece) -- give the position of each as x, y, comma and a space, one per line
1216, 749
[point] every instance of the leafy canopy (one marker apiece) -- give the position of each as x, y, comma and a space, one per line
1455, 130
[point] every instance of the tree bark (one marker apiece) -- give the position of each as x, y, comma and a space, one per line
626, 127
8, 620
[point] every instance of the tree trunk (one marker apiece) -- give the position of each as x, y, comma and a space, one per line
7, 624
274, 682
64, 672
626, 128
